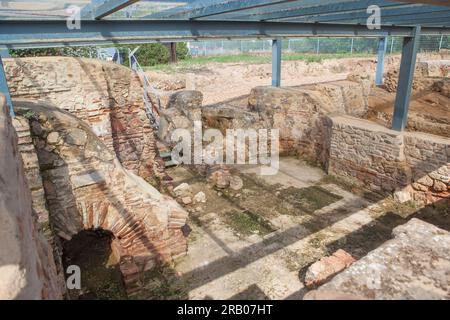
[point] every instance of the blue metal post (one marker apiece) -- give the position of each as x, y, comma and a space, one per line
276, 62
382, 46
4, 53
4, 88
405, 81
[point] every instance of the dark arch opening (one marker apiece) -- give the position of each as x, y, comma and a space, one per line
94, 252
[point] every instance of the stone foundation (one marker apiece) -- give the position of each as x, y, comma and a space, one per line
27, 268
385, 160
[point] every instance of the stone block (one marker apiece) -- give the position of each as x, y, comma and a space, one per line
327, 267
87, 179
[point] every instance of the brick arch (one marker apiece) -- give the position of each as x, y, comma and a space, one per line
86, 187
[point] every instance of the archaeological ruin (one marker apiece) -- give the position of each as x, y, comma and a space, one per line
356, 204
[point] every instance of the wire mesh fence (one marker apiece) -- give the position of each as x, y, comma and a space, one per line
313, 45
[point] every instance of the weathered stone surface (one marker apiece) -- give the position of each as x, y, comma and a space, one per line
87, 179
413, 265
183, 108
53, 137
186, 200
298, 114
385, 160
402, 196
236, 183
327, 267
182, 190
27, 268
368, 153
76, 136
189, 102
220, 178
200, 197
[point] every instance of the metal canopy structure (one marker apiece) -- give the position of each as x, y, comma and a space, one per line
46, 23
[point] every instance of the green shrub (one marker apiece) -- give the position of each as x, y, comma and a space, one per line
152, 54
149, 54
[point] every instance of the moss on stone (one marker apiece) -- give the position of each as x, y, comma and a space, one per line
309, 199
248, 223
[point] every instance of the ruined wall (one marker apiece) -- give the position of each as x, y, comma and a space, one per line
86, 187
298, 114
428, 157
183, 108
105, 95
385, 160
368, 153
27, 269
316, 123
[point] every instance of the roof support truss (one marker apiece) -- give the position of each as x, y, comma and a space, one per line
17, 34
105, 9
405, 81
302, 8
4, 88
382, 46
387, 14
276, 62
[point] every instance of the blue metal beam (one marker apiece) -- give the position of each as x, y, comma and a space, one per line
386, 13
382, 46
4, 88
17, 34
405, 81
276, 62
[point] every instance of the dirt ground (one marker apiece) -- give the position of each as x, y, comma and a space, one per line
220, 82
429, 111
256, 243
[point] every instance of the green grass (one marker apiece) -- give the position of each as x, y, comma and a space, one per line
310, 199
247, 223
192, 64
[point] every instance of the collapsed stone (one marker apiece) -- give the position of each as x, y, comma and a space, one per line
327, 267
200, 197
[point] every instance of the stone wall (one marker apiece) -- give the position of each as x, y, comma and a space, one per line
385, 160
299, 113
86, 187
27, 269
428, 157
368, 153
105, 95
